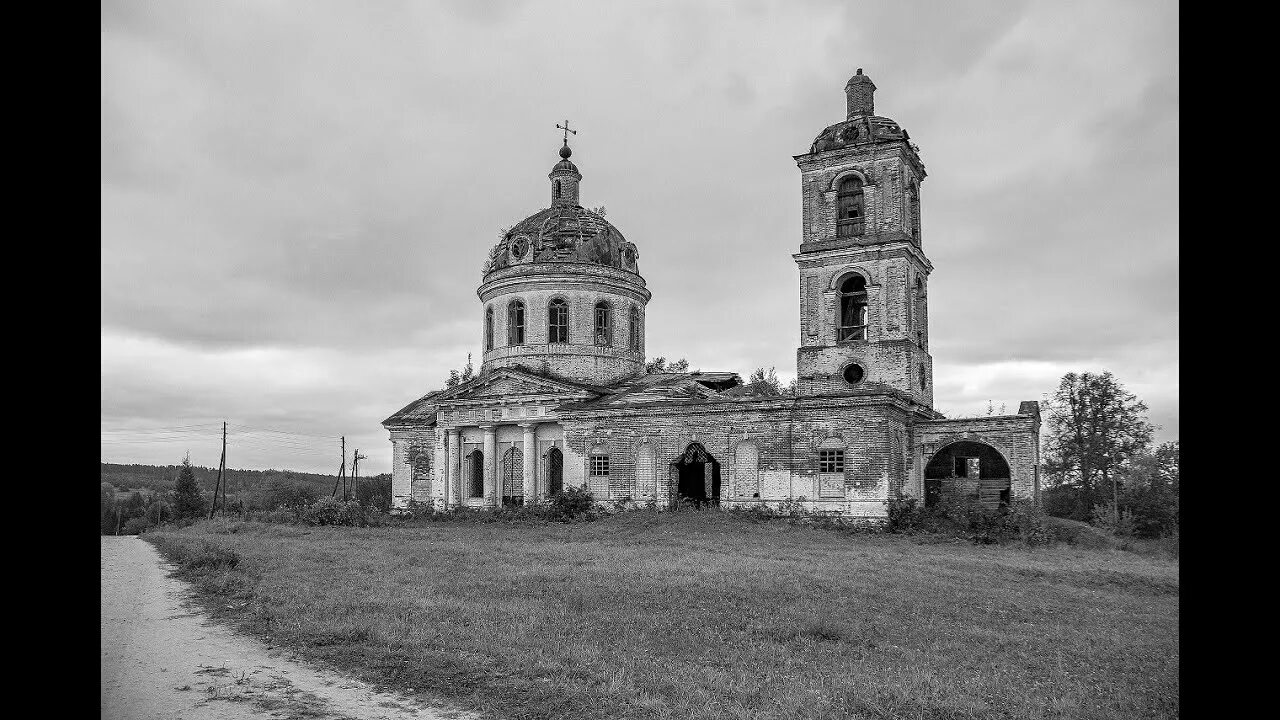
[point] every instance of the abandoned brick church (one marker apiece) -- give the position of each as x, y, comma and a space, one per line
562, 398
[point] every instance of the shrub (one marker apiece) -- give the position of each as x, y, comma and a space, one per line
332, 511
906, 515
204, 556
1102, 518
135, 526
570, 504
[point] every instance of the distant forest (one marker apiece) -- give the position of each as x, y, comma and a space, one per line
160, 478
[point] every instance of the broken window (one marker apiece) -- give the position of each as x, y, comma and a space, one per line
598, 475
634, 334
967, 467
599, 466
515, 323
831, 461
853, 308
488, 329
558, 322
604, 324
849, 208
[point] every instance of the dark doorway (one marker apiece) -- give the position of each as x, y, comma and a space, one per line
555, 471
477, 474
699, 476
967, 469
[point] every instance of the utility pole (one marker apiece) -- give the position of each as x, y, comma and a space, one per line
221, 464
342, 473
355, 470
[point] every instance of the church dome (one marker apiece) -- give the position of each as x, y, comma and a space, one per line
858, 130
566, 232
563, 234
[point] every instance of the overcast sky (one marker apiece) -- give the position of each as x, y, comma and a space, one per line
297, 197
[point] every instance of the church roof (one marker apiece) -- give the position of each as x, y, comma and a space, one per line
859, 130
663, 387
563, 233
422, 411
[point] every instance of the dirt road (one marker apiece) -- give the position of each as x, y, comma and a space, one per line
162, 659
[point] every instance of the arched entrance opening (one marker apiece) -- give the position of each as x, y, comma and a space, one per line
513, 477
475, 468
699, 474
967, 469
555, 471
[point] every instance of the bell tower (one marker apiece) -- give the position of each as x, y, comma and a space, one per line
863, 273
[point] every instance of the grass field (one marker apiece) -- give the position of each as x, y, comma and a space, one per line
706, 615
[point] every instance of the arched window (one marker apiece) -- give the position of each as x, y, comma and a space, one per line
849, 208
557, 190
488, 328
633, 335
913, 213
515, 323
604, 324
853, 308
920, 320
557, 322
555, 471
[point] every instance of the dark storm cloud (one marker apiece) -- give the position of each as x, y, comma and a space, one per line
297, 197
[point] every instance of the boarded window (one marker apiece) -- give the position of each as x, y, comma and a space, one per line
515, 323
746, 470
853, 308
604, 324
646, 471
558, 322
849, 208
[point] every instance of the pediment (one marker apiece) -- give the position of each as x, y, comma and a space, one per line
507, 383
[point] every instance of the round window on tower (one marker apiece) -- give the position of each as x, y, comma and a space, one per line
853, 374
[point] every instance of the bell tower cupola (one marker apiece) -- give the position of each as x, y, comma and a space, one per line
860, 95
564, 178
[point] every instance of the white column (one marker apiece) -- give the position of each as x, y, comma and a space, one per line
442, 472
530, 463
492, 489
455, 467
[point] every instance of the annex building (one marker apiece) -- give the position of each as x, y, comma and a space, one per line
562, 397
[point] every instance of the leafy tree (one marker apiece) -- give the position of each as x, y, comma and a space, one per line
1095, 427
659, 365
454, 379
188, 502
762, 383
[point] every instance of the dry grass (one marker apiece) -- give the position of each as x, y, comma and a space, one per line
703, 615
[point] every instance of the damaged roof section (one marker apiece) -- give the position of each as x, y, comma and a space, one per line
664, 387
422, 410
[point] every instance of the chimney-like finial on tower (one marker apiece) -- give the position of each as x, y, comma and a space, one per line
860, 95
